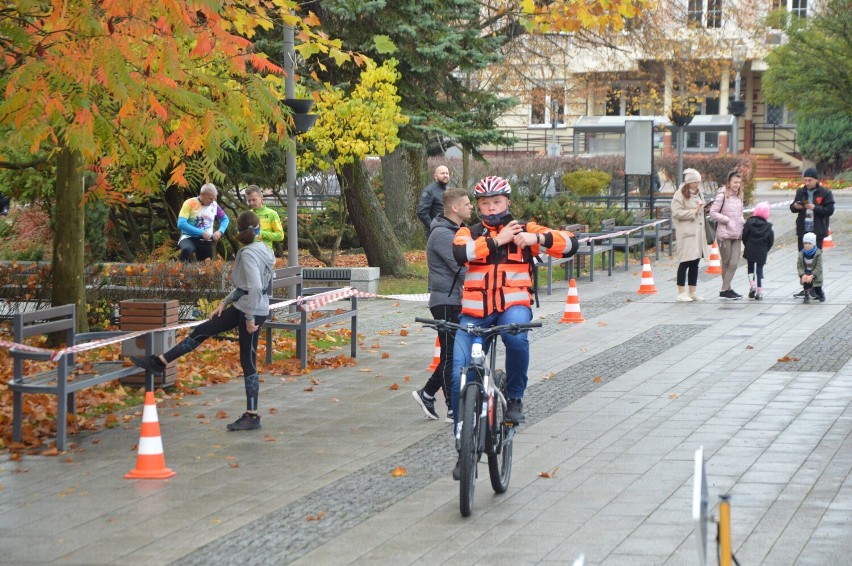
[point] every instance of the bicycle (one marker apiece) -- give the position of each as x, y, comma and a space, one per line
482, 395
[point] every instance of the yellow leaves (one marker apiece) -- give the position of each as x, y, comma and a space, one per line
318, 517
399, 472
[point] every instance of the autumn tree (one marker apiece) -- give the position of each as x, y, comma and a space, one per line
354, 123
132, 90
811, 73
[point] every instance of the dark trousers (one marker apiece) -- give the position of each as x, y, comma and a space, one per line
201, 249
442, 377
229, 319
687, 271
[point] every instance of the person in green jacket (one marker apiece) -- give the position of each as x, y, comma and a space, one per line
270, 224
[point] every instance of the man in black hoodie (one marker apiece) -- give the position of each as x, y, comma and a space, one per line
445, 286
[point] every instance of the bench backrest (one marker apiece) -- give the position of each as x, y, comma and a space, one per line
665, 212
46, 321
285, 277
639, 217
608, 225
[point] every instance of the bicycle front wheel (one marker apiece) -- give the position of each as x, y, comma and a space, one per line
469, 421
500, 456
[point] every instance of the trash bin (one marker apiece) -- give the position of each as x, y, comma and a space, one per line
146, 314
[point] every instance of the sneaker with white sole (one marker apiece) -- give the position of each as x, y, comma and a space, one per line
428, 405
696, 297
450, 418
152, 363
683, 298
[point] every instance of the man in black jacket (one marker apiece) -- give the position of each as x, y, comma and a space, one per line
814, 205
431, 202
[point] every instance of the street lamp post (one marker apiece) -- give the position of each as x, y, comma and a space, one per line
302, 123
735, 106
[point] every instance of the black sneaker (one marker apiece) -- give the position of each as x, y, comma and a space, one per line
752, 293
821, 297
450, 416
799, 295
735, 294
152, 363
515, 411
249, 421
428, 405
457, 469
729, 294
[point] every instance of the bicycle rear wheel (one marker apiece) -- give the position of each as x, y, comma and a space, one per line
500, 455
469, 420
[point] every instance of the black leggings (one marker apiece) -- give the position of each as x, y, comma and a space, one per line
687, 271
229, 319
757, 269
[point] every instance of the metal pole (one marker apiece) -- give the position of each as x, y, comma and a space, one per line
736, 133
679, 156
292, 216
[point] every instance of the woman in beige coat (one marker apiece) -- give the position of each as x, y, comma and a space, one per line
688, 219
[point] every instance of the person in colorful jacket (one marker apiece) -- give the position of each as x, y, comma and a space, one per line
499, 252
270, 223
196, 219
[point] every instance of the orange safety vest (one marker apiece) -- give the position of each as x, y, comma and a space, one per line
499, 277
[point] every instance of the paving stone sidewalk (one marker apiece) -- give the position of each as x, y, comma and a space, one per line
617, 406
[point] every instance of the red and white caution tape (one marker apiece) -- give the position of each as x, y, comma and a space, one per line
24, 347
416, 297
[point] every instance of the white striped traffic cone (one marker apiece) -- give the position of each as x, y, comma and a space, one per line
572, 305
827, 242
715, 267
150, 461
436, 357
646, 286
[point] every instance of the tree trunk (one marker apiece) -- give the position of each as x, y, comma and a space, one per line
372, 226
401, 172
68, 265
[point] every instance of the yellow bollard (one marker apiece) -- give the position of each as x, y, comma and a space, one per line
725, 530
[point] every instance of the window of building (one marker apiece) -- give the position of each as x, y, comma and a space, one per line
796, 7
706, 13
623, 101
544, 102
779, 115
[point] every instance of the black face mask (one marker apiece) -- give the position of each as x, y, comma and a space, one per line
497, 220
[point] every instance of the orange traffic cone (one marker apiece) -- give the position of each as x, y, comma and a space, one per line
827, 243
715, 266
436, 357
572, 305
150, 461
646, 286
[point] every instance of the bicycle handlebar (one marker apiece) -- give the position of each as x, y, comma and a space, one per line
483, 331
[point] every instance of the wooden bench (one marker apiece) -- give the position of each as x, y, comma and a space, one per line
300, 321
550, 262
625, 242
68, 377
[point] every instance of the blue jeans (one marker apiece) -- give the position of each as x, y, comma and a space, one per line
517, 351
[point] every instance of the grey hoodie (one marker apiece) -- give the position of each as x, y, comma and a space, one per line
252, 275
442, 265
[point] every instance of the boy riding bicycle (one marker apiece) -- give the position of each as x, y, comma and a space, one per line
499, 252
